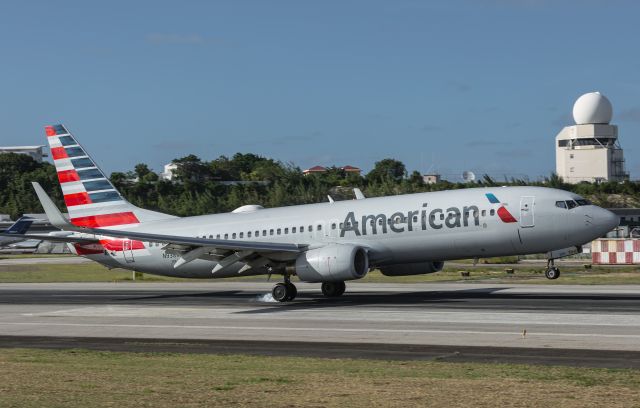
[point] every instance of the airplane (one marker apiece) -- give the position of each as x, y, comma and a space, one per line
14, 231
327, 243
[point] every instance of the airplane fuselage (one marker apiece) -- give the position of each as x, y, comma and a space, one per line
434, 226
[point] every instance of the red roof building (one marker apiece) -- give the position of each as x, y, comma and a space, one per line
315, 170
351, 169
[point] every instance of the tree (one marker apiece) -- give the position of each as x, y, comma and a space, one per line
141, 170
191, 168
387, 169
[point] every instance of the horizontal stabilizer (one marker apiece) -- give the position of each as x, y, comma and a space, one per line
55, 216
53, 238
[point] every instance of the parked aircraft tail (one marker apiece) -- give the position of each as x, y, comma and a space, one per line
20, 227
91, 200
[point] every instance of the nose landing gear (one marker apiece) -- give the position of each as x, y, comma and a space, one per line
284, 292
551, 272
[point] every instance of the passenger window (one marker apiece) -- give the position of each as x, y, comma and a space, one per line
310, 228
270, 232
319, 227
218, 236
233, 236
442, 216
571, 204
210, 236
257, 234
333, 226
301, 228
249, 234
415, 218
492, 213
241, 234
264, 233
341, 225
226, 236
484, 213
561, 204
286, 230
279, 231
293, 230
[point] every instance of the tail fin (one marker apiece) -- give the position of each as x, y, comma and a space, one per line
21, 226
92, 201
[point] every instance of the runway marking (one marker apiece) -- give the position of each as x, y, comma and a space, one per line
316, 329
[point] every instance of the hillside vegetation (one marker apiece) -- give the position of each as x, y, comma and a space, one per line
202, 186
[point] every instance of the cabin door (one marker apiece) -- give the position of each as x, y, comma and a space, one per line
127, 251
527, 211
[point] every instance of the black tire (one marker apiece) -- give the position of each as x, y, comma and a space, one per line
552, 273
292, 291
333, 289
280, 292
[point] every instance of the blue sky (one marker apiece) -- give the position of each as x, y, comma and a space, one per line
445, 86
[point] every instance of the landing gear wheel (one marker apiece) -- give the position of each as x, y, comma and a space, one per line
552, 273
333, 289
291, 290
284, 292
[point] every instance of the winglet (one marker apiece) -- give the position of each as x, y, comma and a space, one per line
358, 193
55, 216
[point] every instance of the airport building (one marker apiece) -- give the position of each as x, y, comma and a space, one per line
589, 150
36, 152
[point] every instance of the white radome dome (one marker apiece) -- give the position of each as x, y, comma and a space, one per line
592, 107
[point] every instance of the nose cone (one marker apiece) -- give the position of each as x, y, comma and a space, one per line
606, 219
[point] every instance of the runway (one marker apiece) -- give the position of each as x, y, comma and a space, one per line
593, 325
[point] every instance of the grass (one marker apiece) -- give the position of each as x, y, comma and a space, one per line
523, 273
80, 378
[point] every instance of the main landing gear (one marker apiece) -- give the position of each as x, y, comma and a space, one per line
333, 289
284, 292
551, 272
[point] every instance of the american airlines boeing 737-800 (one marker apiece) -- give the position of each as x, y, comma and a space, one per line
328, 243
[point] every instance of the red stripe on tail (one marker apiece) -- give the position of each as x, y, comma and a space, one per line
58, 153
76, 199
66, 176
88, 249
118, 244
105, 220
50, 131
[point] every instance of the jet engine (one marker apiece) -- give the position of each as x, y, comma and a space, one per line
419, 268
332, 263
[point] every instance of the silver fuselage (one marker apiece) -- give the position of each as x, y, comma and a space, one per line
435, 226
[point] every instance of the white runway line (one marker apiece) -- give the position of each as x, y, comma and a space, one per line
318, 329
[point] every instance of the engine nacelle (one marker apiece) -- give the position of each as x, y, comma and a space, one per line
332, 263
419, 268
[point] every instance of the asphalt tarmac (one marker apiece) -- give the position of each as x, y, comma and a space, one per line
546, 324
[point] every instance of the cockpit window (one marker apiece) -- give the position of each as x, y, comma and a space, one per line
561, 204
571, 204
583, 202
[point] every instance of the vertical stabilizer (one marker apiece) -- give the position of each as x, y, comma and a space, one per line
91, 200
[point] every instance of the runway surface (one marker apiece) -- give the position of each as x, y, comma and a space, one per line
592, 325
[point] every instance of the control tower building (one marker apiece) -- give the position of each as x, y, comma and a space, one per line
589, 150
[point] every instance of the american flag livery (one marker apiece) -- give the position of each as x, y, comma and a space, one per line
92, 201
